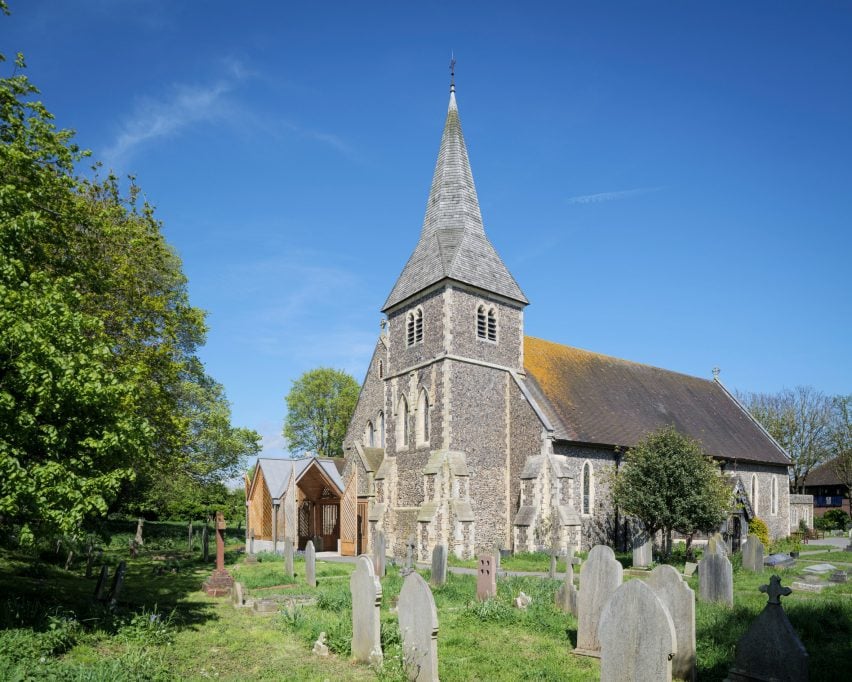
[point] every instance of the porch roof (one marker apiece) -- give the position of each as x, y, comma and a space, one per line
277, 472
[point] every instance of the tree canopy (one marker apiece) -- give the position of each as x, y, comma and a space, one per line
319, 406
670, 484
102, 396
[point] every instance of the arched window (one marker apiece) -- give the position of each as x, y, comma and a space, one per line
423, 418
381, 422
774, 496
414, 327
587, 484
486, 323
754, 493
381, 369
402, 424
370, 435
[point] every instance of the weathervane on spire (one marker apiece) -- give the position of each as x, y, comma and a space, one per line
452, 72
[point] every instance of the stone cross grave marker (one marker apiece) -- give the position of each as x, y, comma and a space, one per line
310, 564
566, 595
770, 649
289, 571
679, 601
379, 553
220, 581
643, 554
117, 583
409, 555
439, 565
366, 606
486, 578
637, 636
600, 577
753, 554
716, 579
100, 588
418, 625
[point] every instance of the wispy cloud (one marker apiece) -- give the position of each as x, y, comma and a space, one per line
601, 197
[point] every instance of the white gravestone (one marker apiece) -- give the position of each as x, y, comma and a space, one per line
679, 601
600, 576
716, 579
418, 626
379, 552
643, 555
637, 636
310, 564
288, 558
366, 605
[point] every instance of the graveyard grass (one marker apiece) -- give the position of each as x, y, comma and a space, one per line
166, 628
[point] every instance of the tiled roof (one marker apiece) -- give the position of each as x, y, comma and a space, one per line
277, 471
452, 241
597, 399
824, 474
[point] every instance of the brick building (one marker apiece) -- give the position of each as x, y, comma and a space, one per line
471, 434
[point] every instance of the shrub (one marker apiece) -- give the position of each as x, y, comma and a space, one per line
758, 527
836, 519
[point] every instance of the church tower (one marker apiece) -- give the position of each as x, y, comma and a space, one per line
454, 344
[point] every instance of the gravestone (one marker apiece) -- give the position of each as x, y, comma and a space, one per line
237, 598
117, 583
679, 601
418, 626
716, 579
100, 588
134, 549
138, 539
310, 564
250, 555
439, 565
838, 577
205, 544
220, 581
486, 578
637, 636
753, 554
498, 556
600, 577
409, 555
820, 568
320, 647
689, 569
781, 560
770, 649
264, 606
643, 555
716, 545
379, 553
288, 559
566, 595
366, 606
189, 536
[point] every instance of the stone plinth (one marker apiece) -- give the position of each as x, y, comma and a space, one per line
218, 584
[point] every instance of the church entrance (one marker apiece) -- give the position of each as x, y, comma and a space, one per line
318, 511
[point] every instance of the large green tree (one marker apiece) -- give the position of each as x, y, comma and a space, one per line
670, 484
319, 406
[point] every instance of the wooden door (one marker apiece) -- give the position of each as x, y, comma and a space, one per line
349, 516
362, 526
329, 524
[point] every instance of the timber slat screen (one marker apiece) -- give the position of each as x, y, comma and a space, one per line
349, 516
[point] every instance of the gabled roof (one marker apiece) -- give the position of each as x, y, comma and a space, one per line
452, 242
824, 474
277, 471
602, 400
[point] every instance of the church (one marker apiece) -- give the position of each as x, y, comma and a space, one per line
470, 434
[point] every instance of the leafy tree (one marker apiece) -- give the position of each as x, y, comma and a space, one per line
841, 440
800, 419
670, 484
319, 407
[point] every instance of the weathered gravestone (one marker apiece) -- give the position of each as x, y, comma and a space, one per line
100, 588
250, 555
566, 595
288, 558
486, 578
643, 555
220, 581
237, 598
410, 545
770, 649
439, 565
679, 601
310, 564
117, 583
600, 577
379, 553
418, 626
689, 569
753, 554
138, 539
716, 545
716, 579
780, 560
554, 558
637, 636
366, 607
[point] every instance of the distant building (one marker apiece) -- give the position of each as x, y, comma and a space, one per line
470, 434
828, 490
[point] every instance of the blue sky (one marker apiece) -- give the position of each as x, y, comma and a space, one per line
669, 182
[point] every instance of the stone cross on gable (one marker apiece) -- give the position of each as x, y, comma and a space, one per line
775, 590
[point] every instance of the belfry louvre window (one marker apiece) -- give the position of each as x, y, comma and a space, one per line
486, 323
414, 327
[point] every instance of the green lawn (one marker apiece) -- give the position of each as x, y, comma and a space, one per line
165, 628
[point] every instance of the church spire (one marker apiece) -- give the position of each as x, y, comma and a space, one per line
452, 241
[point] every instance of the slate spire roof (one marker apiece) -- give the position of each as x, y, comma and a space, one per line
452, 241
